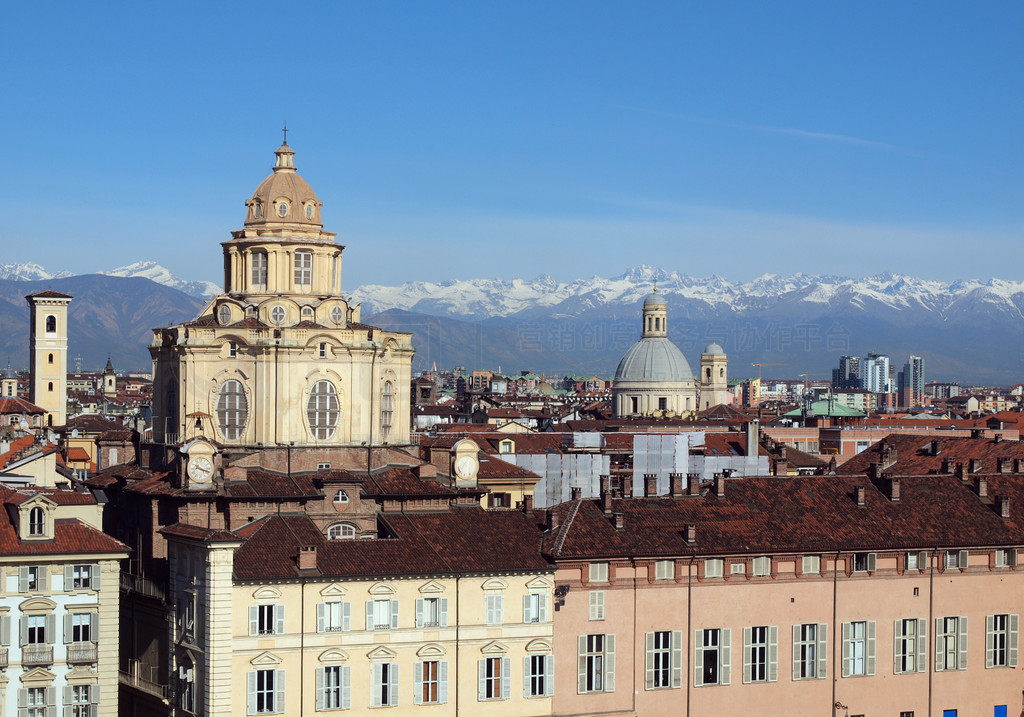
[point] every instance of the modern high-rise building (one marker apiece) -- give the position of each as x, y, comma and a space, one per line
875, 373
910, 382
848, 373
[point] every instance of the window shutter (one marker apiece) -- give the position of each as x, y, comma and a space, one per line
44, 578
94, 694
581, 664
542, 607
278, 619
321, 618
442, 680
796, 652
250, 691
527, 612
822, 651
872, 560
319, 683
1011, 557
346, 615
94, 576
51, 702
869, 666
940, 663
67, 627
442, 611
725, 656
989, 641
773, 653
394, 614
961, 559
417, 695
393, 684
549, 675
677, 659
23, 697
346, 687
649, 662
278, 690
23, 637
23, 579
961, 642
922, 560
51, 628
526, 678
253, 619
377, 682
847, 650
609, 663
897, 646
369, 622
747, 636
506, 677
922, 645
67, 695
419, 614
5, 630
94, 632
1011, 650
698, 658
481, 674
69, 578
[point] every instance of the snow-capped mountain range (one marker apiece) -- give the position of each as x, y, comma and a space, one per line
145, 269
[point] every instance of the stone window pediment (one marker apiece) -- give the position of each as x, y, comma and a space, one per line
334, 590
333, 655
431, 651
431, 588
382, 589
266, 594
382, 653
540, 584
265, 659
494, 584
494, 648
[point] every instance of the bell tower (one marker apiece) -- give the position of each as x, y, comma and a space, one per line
48, 354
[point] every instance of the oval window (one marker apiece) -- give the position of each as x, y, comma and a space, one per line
337, 314
309, 211
232, 410
277, 314
322, 410
224, 314
282, 209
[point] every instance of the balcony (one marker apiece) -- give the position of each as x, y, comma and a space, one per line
132, 678
82, 653
142, 586
35, 655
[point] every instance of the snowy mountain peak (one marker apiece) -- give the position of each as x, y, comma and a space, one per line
29, 272
154, 272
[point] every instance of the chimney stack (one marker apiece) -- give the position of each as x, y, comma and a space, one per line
875, 471
893, 487
527, 503
693, 484
575, 493
1018, 465
975, 465
947, 465
1005, 465
553, 519
691, 534
982, 488
619, 521
960, 472
307, 557
720, 485
1004, 506
606, 502
605, 483
860, 496
675, 484
753, 437
936, 447
650, 485
782, 452
627, 486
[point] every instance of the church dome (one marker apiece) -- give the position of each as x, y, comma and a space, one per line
654, 359
714, 349
283, 198
654, 299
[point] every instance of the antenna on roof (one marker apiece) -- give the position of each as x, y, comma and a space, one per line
285, 130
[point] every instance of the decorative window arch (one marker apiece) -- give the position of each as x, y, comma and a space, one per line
322, 410
341, 531
307, 313
232, 410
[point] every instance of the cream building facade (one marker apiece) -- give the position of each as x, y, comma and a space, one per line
48, 353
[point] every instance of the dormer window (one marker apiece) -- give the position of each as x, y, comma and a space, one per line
309, 211
507, 447
36, 522
341, 531
257, 209
282, 209
307, 313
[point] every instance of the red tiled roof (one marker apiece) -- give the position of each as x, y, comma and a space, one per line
17, 445
78, 454
49, 294
913, 454
493, 467
266, 484
60, 496
18, 405
400, 481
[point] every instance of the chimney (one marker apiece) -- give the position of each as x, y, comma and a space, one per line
553, 519
307, 557
1018, 465
606, 481
650, 485
527, 503
1004, 465
1004, 506
782, 452
975, 465
860, 495
619, 521
693, 484
691, 534
893, 489
606, 502
720, 485
753, 437
960, 472
982, 488
575, 493
947, 465
936, 447
676, 484
875, 471
627, 486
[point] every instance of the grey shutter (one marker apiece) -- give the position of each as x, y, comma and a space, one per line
67, 694
989, 641
94, 628
822, 652
319, 683
67, 627
346, 615
250, 691
5, 630
419, 614
393, 683
44, 578
773, 653
417, 695
847, 649
442, 611
961, 642
725, 655
254, 620
698, 658
51, 702
376, 681
677, 659
961, 559
649, 661
69, 578
23, 579
94, 576
442, 681
23, 697
922, 645
897, 646
609, 663
94, 694
23, 637
549, 675
940, 662
481, 674
796, 652
922, 560
278, 619
51, 628
321, 619
542, 607
278, 690
872, 560
394, 614
869, 658
369, 622
526, 678
747, 637
581, 664
527, 612
1011, 651
506, 677
346, 687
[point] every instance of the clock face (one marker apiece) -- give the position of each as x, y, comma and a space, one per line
465, 467
200, 469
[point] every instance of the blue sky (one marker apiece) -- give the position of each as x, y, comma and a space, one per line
462, 140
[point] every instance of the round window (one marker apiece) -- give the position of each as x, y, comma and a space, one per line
282, 209
224, 314
277, 314
337, 314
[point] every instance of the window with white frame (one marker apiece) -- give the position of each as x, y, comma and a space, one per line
538, 675
953, 559
337, 314
597, 604
82, 577
306, 314
322, 351
266, 619
37, 629
494, 675
664, 570
811, 565
535, 607
232, 349
760, 653
1001, 640
762, 566
303, 268
322, 410
596, 663
259, 268
494, 609
224, 314
863, 562
341, 531
82, 700
265, 692
737, 568
341, 496
35, 700
36, 522
951, 643
1006, 558
858, 648
232, 410
334, 616
278, 314
334, 687
810, 651
382, 614
663, 663
186, 678
431, 682
80, 627
387, 409
432, 612
915, 560
909, 646
384, 684
712, 663
598, 573
713, 567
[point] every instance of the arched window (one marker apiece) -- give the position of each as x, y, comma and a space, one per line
341, 497
309, 211
51, 324
322, 410
657, 323
307, 313
36, 522
232, 410
50, 386
259, 268
341, 531
721, 373
49, 358
257, 209
387, 409
707, 374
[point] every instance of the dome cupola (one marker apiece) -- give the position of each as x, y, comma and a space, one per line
284, 199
